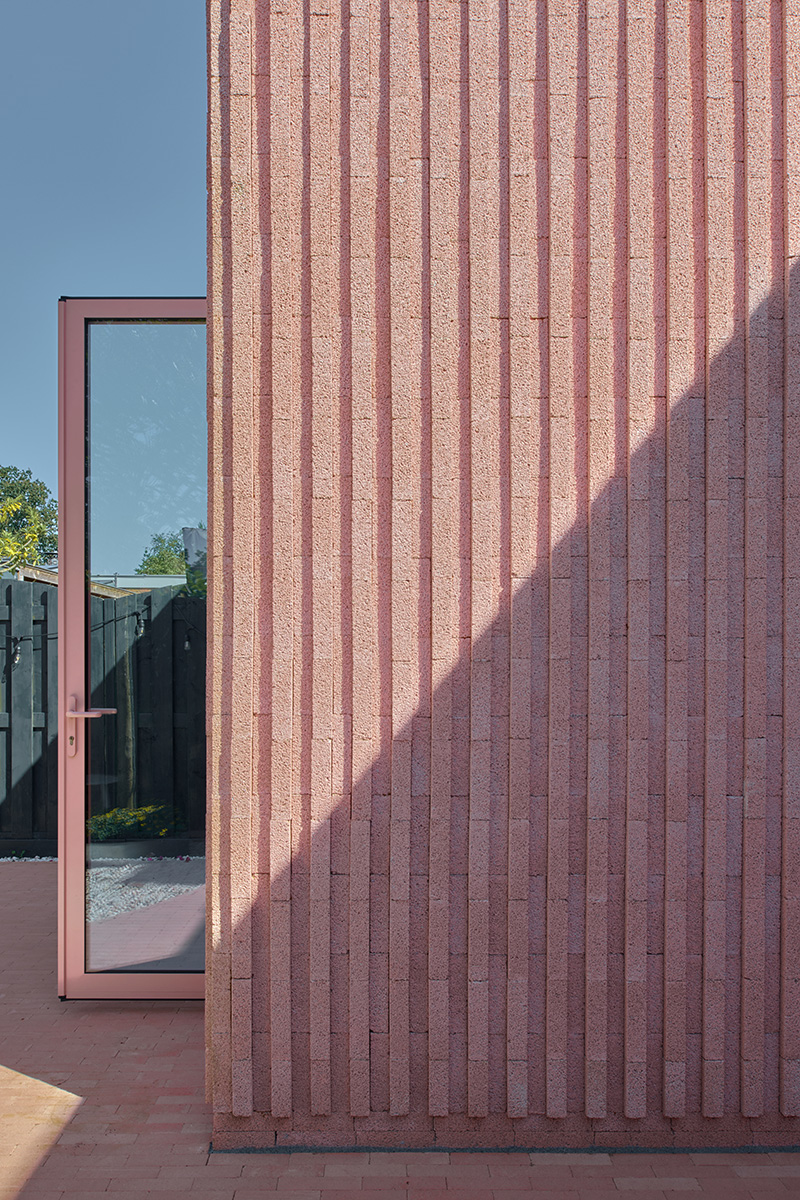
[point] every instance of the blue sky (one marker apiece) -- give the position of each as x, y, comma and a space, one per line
102, 119
147, 438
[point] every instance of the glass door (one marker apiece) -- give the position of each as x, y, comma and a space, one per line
132, 620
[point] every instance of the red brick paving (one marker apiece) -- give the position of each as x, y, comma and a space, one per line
106, 1100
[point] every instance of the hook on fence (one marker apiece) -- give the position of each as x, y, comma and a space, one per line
16, 652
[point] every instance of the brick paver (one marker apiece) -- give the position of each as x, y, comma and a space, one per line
101, 1099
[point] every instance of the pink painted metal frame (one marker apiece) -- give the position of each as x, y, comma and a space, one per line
74, 982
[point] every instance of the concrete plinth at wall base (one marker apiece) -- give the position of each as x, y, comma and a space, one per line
543, 1153
261, 1134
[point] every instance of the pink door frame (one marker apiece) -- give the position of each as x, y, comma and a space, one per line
74, 982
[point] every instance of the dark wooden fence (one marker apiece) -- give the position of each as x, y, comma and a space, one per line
147, 661
28, 711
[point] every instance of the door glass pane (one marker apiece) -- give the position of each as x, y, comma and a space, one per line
146, 611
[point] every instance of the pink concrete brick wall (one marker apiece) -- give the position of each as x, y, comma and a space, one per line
505, 673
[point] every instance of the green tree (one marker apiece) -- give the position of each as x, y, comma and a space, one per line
28, 520
196, 581
164, 556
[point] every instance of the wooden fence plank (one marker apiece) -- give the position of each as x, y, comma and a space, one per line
50, 702
18, 809
5, 692
158, 631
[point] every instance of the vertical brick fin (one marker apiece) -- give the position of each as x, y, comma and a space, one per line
462, 566
281, 780
362, 326
499, 199
680, 365
719, 310
695, 403
217, 495
272, 529
790, 891
562, 76
488, 652
776, 520
285, 392
321, 488
403, 630
379, 216
524, 463
758, 187
484, 525
737, 506
241, 649
537, 595
443, 250
657, 513
417, 455
601, 77
339, 332
640, 41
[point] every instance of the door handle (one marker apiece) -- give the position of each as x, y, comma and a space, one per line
93, 712
73, 714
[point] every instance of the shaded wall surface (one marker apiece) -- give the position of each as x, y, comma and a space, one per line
505, 719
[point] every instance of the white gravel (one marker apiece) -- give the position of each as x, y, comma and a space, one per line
35, 858
116, 886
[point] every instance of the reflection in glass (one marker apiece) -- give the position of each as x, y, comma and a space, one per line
146, 543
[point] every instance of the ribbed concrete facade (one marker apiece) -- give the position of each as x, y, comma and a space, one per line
505, 675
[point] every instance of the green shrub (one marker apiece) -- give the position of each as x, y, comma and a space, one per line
152, 821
